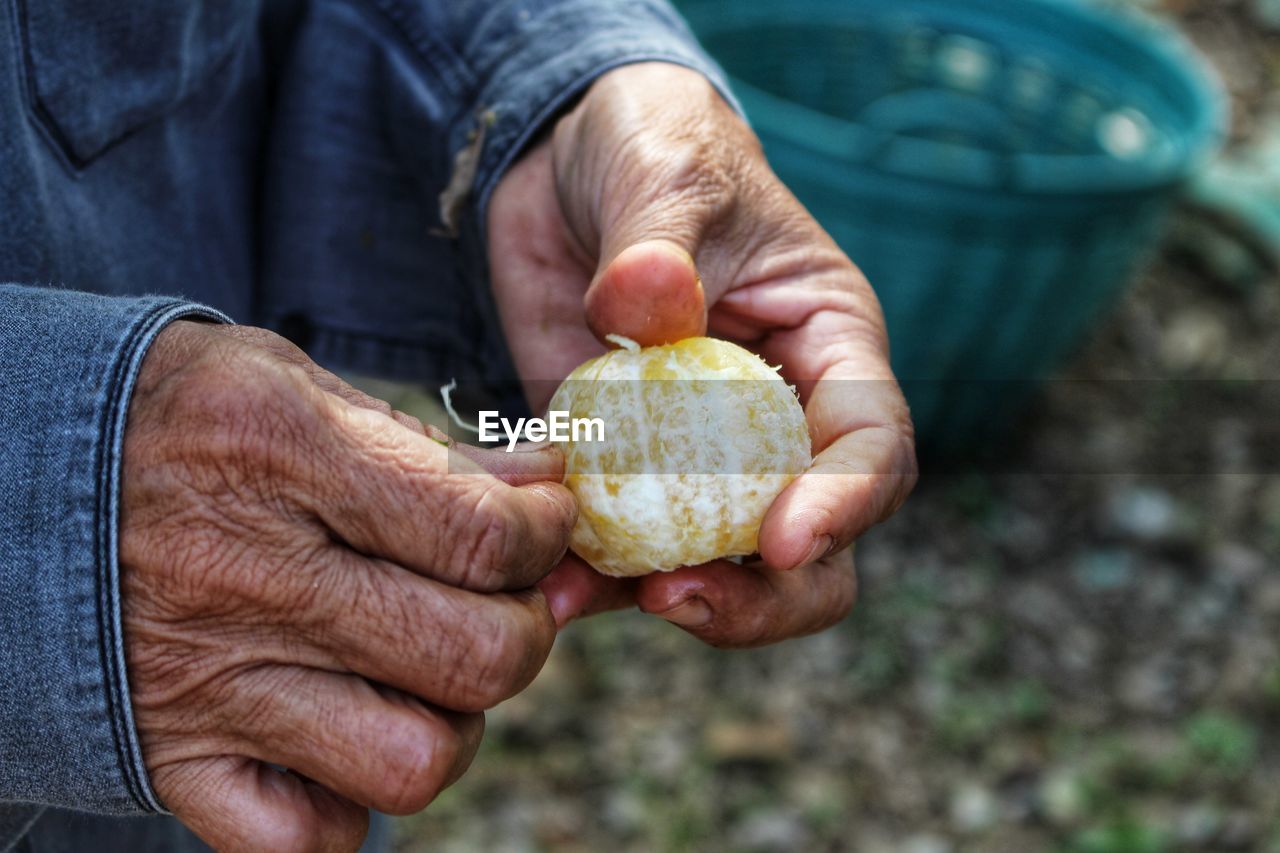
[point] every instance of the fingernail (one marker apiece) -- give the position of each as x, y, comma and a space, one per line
820, 548
694, 613
438, 435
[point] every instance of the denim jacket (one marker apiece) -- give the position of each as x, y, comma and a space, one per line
318, 167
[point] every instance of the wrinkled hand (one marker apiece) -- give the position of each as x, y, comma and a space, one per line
603, 228
310, 581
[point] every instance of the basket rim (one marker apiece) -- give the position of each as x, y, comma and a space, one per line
850, 141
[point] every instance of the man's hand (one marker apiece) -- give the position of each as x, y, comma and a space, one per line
604, 228
310, 581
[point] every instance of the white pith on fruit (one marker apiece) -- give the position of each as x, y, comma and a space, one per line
700, 437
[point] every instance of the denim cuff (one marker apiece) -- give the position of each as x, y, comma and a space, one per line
518, 68
68, 364
540, 62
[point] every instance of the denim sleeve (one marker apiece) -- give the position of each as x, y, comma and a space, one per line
512, 65
68, 362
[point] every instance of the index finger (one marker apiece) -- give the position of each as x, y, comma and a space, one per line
394, 493
832, 345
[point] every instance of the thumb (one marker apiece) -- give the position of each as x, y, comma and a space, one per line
650, 292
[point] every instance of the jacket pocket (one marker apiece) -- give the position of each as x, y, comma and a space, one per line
98, 71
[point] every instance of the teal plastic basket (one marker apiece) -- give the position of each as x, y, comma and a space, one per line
997, 168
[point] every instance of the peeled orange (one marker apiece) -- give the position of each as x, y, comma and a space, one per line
699, 437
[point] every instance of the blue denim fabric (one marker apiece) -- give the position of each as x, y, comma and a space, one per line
67, 366
359, 265
62, 831
281, 161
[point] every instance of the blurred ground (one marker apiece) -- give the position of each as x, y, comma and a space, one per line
1036, 663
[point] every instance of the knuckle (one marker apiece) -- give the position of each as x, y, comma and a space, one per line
694, 174
690, 176
697, 171
366, 401
502, 658
417, 762
486, 541
494, 670
409, 421
286, 420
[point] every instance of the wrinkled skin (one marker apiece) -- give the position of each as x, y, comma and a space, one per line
604, 227
311, 580
308, 582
